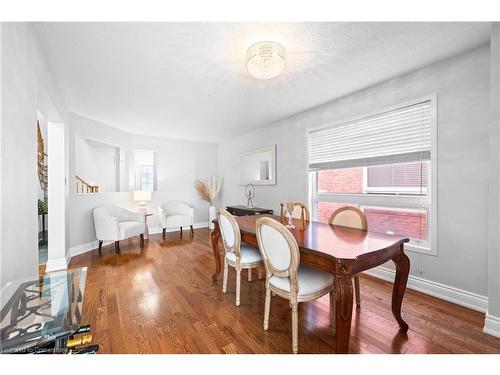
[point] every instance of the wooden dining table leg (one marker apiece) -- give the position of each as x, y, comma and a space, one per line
214, 236
343, 300
402, 263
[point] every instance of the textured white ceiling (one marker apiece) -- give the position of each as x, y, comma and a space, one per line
188, 80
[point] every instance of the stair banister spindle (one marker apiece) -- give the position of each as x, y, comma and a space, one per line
83, 186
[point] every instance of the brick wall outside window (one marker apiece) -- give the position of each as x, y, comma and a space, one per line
346, 180
405, 222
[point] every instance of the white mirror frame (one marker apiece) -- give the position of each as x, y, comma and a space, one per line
272, 181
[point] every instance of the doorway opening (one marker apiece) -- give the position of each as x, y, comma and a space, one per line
43, 182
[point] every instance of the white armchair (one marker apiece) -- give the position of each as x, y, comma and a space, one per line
175, 214
114, 223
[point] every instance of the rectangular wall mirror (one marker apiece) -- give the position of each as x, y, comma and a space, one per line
258, 166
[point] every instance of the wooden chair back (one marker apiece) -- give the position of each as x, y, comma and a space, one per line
230, 232
350, 217
300, 211
279, 250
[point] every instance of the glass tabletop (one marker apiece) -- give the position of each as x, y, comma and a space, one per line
37, 311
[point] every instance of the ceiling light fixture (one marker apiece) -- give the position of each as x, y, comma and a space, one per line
266, 59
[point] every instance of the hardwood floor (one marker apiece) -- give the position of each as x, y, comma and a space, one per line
160, 299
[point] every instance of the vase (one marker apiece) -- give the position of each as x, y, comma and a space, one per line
212, 215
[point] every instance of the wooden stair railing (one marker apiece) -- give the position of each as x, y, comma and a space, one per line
41, 160
83, 186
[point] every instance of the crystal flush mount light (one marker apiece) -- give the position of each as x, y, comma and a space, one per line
266, 59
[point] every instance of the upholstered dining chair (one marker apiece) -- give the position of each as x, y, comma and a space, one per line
300, 211
286, 277
237, 255
351, 217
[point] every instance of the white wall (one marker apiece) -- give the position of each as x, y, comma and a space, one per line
492, 323
1, 155
462, 86
179, 164
27, 85
57, 241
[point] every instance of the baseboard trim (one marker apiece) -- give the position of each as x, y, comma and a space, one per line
445, 292
89, 246
56, 264
158, 230
492, 325
83, 248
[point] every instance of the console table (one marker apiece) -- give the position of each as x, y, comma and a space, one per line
245, 211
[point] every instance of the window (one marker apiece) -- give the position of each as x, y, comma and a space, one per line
144, 170
383, 165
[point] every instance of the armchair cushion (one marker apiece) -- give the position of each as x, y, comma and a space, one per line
175, 214
114, 223
130, 229
178, 220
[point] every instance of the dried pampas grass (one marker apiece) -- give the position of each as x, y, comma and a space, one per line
208, 190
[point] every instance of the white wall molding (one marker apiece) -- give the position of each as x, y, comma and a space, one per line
445, 292
89, 246
57, 264
492, 325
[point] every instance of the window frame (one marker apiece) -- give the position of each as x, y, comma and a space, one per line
143, 169
138, 170
425, 202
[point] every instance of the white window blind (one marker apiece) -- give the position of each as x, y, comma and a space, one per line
400, 135
407, 175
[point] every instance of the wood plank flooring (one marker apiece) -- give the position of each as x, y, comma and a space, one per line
160, 299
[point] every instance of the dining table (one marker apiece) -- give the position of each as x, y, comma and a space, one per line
343, 251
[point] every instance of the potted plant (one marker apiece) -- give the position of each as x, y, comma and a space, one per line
43, 208
209, 191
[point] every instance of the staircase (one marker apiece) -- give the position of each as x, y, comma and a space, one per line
42, 161
83, 186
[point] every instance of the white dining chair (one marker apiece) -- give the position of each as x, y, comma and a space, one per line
285, 276
300, 211
351, 217
237, 255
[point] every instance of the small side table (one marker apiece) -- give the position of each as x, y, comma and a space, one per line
146, 231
